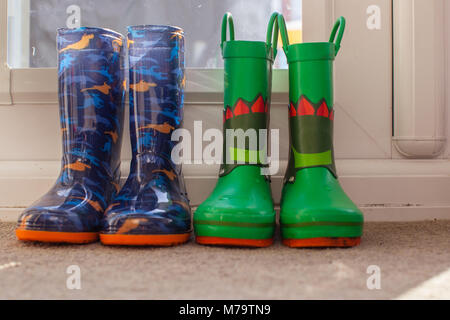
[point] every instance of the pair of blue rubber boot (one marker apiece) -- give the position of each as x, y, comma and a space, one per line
86, 202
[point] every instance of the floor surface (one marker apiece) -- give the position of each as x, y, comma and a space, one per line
407, 254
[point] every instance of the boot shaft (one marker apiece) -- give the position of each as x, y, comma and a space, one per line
311, 112
91, 98
157, 80
247, 93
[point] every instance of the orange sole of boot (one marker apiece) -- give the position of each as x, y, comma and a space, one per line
165, 240
56, 237
258, 243
322, 242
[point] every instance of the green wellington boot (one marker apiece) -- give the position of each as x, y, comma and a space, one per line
315, 211
240, 210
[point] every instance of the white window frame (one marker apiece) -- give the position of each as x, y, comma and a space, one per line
5, 70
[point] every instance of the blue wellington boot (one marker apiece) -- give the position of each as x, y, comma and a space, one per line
91, 97
152, 208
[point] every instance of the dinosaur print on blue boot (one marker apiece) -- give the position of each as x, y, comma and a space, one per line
152, 208
91, 106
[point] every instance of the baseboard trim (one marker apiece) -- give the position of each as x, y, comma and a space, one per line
386, 190
377, 214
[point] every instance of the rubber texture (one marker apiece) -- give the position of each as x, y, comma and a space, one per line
240, 207
315, 206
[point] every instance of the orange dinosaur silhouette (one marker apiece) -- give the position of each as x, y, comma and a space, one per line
183, 204
23, 223
130, 224
77, 166
104, 88
163, 128
142, 86
113, 135
83, 43
117, 45
116, 186
94, 204
177, 35
170, 174
129, 42
111, 206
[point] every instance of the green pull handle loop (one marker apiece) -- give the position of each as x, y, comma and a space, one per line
283, 32
227, 20
272, 34
339, 24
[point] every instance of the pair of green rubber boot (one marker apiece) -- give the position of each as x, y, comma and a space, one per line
315, 211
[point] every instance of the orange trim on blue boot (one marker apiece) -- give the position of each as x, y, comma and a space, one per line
165, 240
56, 237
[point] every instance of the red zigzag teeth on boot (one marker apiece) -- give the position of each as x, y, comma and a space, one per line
241, 107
